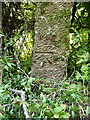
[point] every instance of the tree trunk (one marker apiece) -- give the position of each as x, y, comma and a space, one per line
0, 43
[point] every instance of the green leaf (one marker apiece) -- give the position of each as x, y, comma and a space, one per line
87, 110
1, 35
1, 60
6, 67
73, 95
1, 91
21, 28
44, 100
78, 75
73, 114
63, 106
56, 116
11, 112
80, 61
65, 115
6, 95
72, 31
49, 90
58, 109
30, 80
48, 113
26, 89
65, 84
9, 64
13, 64
1, 108
2, 116
77, 40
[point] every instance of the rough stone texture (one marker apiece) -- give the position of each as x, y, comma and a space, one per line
51, 40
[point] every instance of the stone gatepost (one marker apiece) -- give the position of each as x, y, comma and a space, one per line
50, 51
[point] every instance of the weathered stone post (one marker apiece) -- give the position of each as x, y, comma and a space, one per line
50, 51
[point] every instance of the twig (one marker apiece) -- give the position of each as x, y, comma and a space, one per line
12, 103
23, 72
22, 94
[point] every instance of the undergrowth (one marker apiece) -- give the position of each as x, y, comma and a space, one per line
44, 99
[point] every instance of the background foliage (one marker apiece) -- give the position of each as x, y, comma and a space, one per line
44, 99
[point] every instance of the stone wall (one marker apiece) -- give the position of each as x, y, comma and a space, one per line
51, 40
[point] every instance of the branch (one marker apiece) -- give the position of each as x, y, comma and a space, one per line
22, 94
23, 72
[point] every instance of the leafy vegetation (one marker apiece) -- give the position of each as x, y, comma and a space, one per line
43, 98
79, 45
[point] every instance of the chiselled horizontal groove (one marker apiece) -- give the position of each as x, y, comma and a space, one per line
45, 52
